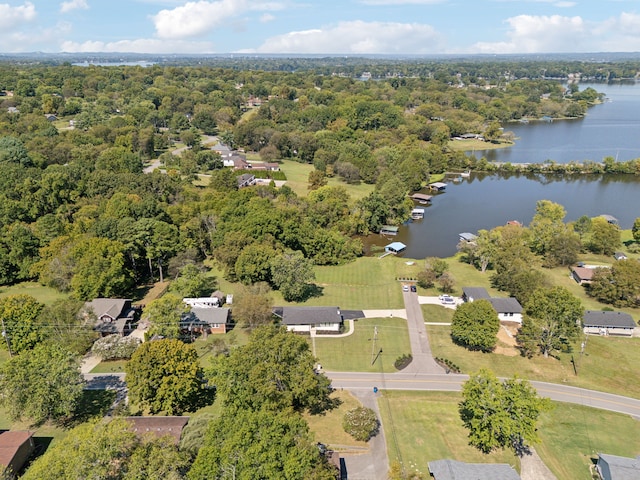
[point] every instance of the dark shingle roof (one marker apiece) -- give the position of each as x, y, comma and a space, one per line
310, 315
596, 318
621, 468
210, 316
454, 470
476, 293
506, 305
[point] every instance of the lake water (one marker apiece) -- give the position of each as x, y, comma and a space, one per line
485, 201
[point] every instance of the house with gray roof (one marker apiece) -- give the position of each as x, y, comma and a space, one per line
306, 319
113, 315
508, 309
454, 470
613, 467
205, 320
608, 323
469, 294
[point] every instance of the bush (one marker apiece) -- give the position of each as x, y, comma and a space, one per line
447, 365
361, 423
115, 347
403, 361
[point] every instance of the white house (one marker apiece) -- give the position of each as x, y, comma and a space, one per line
308, 319
608, 323
508, 309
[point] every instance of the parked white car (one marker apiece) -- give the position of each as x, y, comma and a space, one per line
447, 299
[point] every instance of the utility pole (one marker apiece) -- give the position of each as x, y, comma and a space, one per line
373, 346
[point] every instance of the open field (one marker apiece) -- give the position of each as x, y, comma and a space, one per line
357, 351
609, 363
426, 426
327, 427
298, 174
474, 144
41, 293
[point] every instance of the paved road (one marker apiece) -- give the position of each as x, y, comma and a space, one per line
453, 383
423, 361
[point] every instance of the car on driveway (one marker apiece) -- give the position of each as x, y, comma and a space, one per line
447, 299
414, 289
405, 288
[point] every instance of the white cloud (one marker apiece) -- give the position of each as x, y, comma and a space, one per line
266, 18
13, 17
33, 40
401, 2
197, 18
357, 37
73, 5
141, 45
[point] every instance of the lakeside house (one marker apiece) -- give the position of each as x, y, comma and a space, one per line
395, 248
597, 322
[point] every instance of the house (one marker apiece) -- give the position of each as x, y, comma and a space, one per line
15, 449
619, 256
582, 275
246, 180
159, 426
395, 248
215, 300
608, 323
206, 320
306, 319
469, 294
454, 470
51, 117
613, 467
113, 315
508, 309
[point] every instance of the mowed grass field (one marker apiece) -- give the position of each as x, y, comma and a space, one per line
41, 293
357, 352
424, 426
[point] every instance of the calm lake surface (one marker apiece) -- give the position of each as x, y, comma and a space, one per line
485, 201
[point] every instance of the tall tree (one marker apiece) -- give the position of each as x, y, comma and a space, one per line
164, 314
605, 237
192, 282
635, 230
253, 307
274, 371
292, 274
475, 325
165, 376
20, 329
41, 384
260, 444
618, 285
545, 225
552, 320
500, 414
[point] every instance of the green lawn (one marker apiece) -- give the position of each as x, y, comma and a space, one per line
298, 175
112, 366
425, 426
470, 145
609, 363
357, 351
41, 293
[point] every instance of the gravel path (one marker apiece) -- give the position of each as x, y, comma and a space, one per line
533, 468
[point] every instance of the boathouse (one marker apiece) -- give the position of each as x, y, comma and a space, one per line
467, 237
389, 230
421, 198
417, 213
610, 219
395, 248
438, 186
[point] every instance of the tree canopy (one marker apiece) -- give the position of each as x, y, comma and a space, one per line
475, 325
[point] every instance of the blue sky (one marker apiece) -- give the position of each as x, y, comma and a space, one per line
320, 26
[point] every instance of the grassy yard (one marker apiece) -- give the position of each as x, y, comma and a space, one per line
327, 427
111, 366
298, 175
474, 144
609, 364
425, 426
354, 353
41, 293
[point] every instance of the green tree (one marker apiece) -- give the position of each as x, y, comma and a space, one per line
563, 249
316, 179
192, 282
635, 230
260, 444
19, 314
582, 226
552, 320
605, 237
64, 327
475, 326
274, 371
292, 274
156, 459
618, 285
546, 224
254, 263
253, 307
500, 414
42, 384
165, 376
361, 423
164, 314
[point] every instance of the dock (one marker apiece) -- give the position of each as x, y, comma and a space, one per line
417, 213
437, 186
389, 230
421, 198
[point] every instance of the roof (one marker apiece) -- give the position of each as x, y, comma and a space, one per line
113, 307
159, 426
310, 315
210, 316
10, 443
421, 196
467, 236
438, 185
397, 246
506, 305
390, 228
596, 318
583, 273
619, 256
610, 218
454, 470
477, 293
621, 468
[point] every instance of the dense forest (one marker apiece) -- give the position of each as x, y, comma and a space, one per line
77, 213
